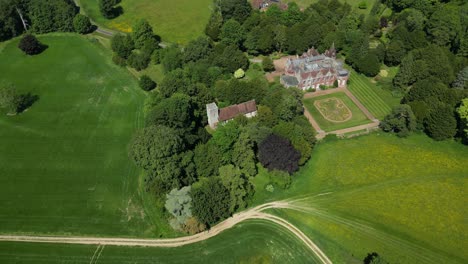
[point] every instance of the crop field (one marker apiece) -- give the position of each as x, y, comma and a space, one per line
335, 111
378, 101
177, 21
63, 163
403, 198
249, 242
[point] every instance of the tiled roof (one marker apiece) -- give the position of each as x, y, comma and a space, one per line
232, 111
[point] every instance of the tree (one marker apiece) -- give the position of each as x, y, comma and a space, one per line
374, 258
239, 74
198, 49
10, 22
395, 53
225, 137
158, 149
279, 178
207, 159
444, 25
172, 58
441, 123
232, 33
230, 58
277, 153
146, 83
210, 200
122, 45
462, 112
142, 31
9, 98
400, 121
461, 82
243, 155
82, 24
179, 205
238, 185
213, 28
236, 9
267, 64
107, 8
138, 61
369, 65
30, 45
51, 15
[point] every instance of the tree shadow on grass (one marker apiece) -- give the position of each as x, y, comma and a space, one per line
26, 101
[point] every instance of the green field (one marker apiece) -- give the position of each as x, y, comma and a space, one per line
378, 101
249, 242
358, 117
403, 198
177, 21
63, 163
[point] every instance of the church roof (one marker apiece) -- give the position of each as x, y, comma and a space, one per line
228, 113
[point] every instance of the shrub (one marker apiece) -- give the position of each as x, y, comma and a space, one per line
362, 5
268, 65
82, 24
107, 8
119, 60
280, 178
239, 74
146, 83
138, 61
30, 45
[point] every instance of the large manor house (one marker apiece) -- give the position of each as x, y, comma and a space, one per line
313, 70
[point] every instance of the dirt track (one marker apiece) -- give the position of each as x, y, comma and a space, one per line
253, 213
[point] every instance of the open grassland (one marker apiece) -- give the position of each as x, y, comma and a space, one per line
377, 100
250, 242
352, 3
358, 117
63, 163
176, 21
403, 198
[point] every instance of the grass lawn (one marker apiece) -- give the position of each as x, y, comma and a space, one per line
358, 117
353, 3
377, 100
250, 242
63, 163
177, 21
403, 198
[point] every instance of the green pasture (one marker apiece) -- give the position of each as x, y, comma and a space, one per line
377, 100
177, 21
63, 163
250, 242
353, 3
358, 117
403, 198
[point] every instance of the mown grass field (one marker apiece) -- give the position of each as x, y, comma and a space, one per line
250, 242
358, 117
63, 163
403, 198
177, 21
377, 100
353, 3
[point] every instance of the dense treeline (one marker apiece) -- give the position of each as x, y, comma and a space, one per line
429, 41
40, 17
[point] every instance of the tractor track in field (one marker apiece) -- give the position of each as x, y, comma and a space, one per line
253, 213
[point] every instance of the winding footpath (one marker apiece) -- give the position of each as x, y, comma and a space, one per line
253, 213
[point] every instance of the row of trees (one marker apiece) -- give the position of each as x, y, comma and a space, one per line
428, 42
